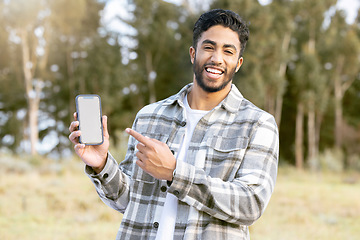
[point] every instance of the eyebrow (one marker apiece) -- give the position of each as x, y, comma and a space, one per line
207, 41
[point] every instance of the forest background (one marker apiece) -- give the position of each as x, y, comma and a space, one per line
302, 64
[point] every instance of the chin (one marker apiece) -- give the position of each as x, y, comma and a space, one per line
211, 88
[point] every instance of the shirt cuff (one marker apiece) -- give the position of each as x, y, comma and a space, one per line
107, 173
182, 180
170, 182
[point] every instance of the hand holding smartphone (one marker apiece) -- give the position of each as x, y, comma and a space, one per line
88, 109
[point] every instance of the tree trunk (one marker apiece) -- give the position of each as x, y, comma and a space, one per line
33, 89
71, 81
312, 158
278, 108
299, 135
270, 102
282, 72
33, 123
319, 118
338, 101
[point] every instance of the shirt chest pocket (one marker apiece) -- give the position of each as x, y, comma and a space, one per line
224, 155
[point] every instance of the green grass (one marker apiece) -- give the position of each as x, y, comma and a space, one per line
39, 202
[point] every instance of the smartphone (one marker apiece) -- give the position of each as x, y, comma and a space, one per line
88, 109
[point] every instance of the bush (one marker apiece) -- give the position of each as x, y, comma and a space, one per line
332, 160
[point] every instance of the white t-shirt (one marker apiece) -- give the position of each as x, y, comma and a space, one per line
168, 217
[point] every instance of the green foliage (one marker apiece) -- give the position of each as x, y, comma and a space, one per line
291, 57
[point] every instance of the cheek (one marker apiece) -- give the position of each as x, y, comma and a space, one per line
202, 55
233, 64
198, 60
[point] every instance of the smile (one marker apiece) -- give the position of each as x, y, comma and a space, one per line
214, 70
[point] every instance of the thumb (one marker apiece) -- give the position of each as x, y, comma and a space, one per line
105, 128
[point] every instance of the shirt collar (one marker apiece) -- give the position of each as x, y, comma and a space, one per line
179, 96
233, 100
231, 103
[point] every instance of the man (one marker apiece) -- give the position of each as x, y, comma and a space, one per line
201, 164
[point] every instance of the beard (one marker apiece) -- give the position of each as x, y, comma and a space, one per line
198, 70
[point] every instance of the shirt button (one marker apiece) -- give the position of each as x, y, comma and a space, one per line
106, 175
183, 124
163, 189
156, 224
176, 193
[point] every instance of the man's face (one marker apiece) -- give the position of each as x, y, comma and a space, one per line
216, 58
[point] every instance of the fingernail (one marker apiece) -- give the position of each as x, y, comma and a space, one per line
127, 130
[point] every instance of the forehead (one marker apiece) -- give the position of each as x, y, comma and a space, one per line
221, 36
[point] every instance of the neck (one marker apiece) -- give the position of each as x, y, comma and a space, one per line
199, 99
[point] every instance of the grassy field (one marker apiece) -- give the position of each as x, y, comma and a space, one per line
321, 206
53, 202
57, 201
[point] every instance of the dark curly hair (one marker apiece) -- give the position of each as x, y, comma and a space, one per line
224, 18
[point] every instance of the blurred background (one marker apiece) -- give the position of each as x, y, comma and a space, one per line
301, 64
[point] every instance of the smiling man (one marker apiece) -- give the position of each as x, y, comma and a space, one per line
220, 59
201, 164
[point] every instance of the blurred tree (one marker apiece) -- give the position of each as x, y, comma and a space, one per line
26, 24
68, 25
280, 32
156, 23
12, 103
35, 25
312, 95
74, 66
309, 75
342, 49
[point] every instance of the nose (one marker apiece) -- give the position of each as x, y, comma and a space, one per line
216, 57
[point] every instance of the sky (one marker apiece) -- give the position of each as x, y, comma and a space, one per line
351, 7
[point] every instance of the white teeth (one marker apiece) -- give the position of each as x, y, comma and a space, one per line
214, 71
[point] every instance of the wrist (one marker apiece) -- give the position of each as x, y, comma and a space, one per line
98, 169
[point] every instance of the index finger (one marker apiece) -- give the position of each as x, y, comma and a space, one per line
144, 140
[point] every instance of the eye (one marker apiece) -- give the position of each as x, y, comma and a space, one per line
229, 52
208, 47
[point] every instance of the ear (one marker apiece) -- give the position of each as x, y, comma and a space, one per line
240, 62
192, 53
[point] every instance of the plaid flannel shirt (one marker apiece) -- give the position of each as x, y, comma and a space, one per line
224, 184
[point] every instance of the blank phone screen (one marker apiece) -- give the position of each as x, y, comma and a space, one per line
89, 116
